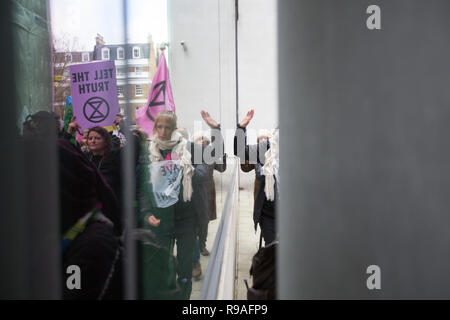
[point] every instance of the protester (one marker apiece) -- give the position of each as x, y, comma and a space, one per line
88, 216
184, 132
176, 223
104, 150
83, 142
266, 166
209, 213
41, 124
90, 226
263, 135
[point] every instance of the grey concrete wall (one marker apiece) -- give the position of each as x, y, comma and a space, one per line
203, 71
30, 264
258, 81
364, 149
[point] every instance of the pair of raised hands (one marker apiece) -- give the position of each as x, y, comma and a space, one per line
213, 123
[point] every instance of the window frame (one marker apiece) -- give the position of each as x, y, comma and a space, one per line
109, 53
120, 73
136, 90
120, 92
83, 55
139, 56
120, 49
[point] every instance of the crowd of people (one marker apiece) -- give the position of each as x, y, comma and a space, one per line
175, 200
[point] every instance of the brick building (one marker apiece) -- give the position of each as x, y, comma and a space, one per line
135, 66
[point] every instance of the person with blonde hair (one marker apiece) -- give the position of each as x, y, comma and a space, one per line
175, 222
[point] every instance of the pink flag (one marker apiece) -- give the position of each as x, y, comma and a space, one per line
160, 98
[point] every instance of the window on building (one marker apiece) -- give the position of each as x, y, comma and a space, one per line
105, 54
139, 70
85, 57
120, 53
120, 71
120, 91
68, 57
138, 90
136, 52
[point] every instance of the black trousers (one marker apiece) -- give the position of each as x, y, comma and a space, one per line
184, 240
202, 233
268, 229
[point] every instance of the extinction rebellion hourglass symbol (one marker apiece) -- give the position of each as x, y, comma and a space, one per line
160, 89
96, 109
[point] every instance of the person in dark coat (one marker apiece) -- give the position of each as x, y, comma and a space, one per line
202, 138
105, 152
264, 210
177, 223
207, 207
89, 216
90, 226
247, 166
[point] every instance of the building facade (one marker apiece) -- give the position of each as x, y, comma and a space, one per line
135, 67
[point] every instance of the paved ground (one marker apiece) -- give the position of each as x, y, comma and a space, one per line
248, 241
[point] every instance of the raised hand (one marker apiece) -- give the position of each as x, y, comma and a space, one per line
209, 120
73, 126
153, 221
119, 119
244, 122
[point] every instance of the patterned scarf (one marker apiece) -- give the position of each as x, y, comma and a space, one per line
178, 145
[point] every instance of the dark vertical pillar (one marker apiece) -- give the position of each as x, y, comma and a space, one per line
12, 267
29, 230
364, 127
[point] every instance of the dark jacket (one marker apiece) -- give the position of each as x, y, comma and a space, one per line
247, 167
96, 250
110, 166
192, 213
199, 209
211, 187
262, 206
183, 215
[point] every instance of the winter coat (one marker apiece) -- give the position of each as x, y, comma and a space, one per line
262, 206
96, 250
211, 187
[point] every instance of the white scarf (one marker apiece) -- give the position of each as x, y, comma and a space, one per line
270, 168
178, 145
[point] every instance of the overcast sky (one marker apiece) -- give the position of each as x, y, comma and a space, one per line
79, 21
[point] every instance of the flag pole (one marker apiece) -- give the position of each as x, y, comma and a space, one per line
236, 7
130, 254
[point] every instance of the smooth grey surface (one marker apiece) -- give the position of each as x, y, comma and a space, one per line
30, 264
365, 161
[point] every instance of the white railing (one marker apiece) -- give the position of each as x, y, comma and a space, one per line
220, 277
